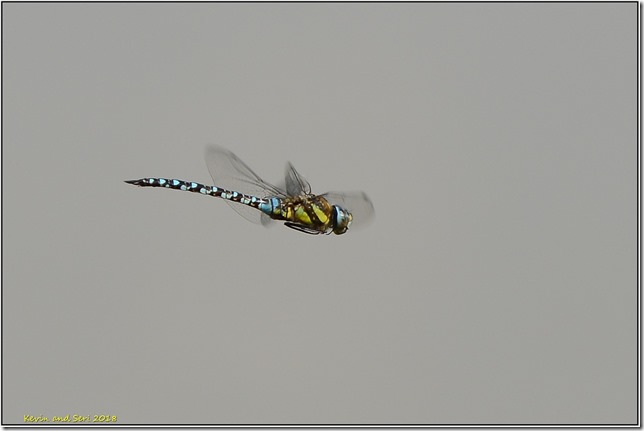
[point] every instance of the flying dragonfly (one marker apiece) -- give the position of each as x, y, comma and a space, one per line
261, 202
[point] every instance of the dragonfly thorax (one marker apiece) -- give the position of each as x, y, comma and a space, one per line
308, 213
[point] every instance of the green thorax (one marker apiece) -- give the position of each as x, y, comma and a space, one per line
308, 210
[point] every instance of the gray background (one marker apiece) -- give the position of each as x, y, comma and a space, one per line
496, 285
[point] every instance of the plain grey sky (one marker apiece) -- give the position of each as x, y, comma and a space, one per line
497, 285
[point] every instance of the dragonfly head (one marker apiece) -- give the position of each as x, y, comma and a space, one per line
341, 220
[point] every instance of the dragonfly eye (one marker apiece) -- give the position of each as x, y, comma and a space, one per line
341, 220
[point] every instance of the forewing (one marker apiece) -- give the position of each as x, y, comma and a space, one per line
296, 184
357, 203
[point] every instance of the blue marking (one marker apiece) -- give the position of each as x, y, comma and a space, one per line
202, 190
193, 185
162, 181
175, 182
275, 203
266, 207
150, 180
235, 194
253, 199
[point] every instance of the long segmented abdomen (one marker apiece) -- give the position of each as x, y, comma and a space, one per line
191, 186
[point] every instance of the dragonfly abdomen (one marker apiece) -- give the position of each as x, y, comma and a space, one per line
191, 186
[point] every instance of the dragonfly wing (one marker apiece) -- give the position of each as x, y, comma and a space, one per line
296, 184
249, 213
357, 203
229, 172
266, 220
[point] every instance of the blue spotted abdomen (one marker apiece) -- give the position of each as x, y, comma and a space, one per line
190, 186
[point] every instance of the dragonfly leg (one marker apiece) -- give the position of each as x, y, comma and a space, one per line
300, 228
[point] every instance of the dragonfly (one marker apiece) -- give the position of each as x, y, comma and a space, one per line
263, 203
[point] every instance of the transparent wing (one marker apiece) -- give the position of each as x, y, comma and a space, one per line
265, 220
231, 173
296, 184
251, 214
357, 203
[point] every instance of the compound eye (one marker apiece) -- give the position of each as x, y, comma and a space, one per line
336, 216
341, 220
